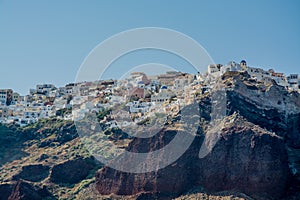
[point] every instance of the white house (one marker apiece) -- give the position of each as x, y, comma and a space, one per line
6, 96
139, 107
258, 73
293, 81
212, 68
162, 96
45, 89
231, 67
138, 79
180, 83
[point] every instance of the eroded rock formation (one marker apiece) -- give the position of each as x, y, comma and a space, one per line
250, 155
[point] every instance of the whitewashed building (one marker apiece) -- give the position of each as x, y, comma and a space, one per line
212, 68
232, 67
162, 96
293, 81
258, 73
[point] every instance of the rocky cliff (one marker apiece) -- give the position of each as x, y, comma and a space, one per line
247, 158
266, 104
250, 156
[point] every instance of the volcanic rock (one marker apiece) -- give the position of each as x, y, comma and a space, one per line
25, 191
34, 173
245, 158
72, 171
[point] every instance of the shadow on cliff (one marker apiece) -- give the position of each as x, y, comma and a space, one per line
11, 144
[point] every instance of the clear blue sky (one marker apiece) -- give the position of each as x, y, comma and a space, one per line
46, 41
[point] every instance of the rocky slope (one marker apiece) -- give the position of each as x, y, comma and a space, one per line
51, 162
250, 157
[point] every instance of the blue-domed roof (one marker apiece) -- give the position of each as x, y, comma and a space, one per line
243, 61
140, 82
163, 87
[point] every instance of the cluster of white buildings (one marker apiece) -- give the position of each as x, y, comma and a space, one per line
43, 102
138, 95
24, 113
291, 82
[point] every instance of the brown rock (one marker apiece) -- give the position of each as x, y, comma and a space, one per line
34, 173
72, 171
247, 159
25, 191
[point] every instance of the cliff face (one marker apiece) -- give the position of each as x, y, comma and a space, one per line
268, 105
246, 159
250, 156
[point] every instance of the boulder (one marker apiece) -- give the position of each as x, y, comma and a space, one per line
72, 171
34, 173
25, 191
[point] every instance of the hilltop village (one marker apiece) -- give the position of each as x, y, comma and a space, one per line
142, 96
